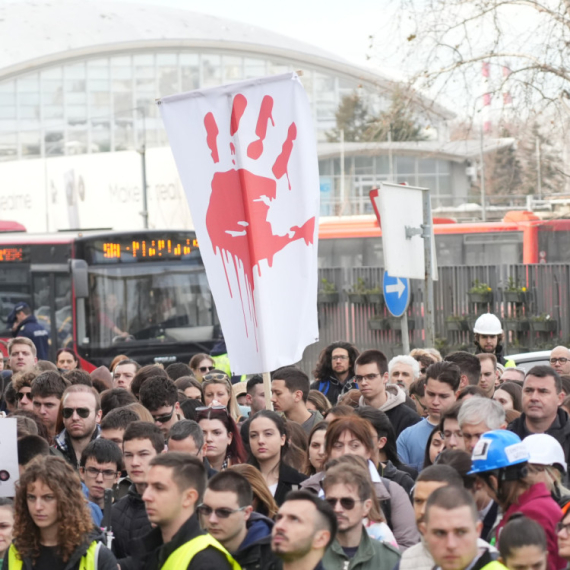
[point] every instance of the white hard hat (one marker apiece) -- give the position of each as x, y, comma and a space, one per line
488, 324
545, 450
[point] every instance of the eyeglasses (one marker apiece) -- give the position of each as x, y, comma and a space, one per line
562, 526
561, 360
340, 357
216, 376
368, 377
206, 368
347, 503
447, 434
221, 513
22, 395
81, 412
165, 418
93, 473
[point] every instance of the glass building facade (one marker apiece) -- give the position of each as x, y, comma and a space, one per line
105, 104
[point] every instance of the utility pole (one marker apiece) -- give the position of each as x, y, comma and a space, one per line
482, 172
538, 170
142, 152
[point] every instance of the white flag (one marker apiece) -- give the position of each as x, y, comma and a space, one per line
247, 158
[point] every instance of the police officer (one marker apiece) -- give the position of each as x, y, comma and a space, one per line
24, 323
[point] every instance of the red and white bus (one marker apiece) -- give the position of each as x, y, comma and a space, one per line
140, 293
353, 241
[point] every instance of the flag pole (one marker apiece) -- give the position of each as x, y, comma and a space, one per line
267, 390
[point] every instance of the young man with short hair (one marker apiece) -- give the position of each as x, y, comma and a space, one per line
305, 527
227, 514
160, 397
289, 392
176, 484
441, 387
255, 396
100, 469
541, 399
47, 390
81, 411
141, 443
114, 424
450, 429
372, 377
22, 354
348, 490
124, 373
489, 373
451, 531
186, 436
469, 365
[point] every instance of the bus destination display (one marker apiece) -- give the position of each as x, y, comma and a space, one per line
127, 250
14, 254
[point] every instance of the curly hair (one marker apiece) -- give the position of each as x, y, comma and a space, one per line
323, 369
72, 511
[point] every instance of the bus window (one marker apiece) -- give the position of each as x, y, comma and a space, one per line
148, 302
350, 252
14, 288
449, 250
555, 244
493, 248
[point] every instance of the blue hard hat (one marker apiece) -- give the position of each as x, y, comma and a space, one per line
17, 308
498, 449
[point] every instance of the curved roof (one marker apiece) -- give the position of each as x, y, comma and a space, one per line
35, 34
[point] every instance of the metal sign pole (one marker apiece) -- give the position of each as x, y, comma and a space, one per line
429, 325
405, 334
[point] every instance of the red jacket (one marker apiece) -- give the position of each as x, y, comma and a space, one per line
537, 504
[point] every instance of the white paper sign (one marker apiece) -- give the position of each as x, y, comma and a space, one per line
9, 472
246, 154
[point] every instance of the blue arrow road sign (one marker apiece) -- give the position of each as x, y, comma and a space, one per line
396, 294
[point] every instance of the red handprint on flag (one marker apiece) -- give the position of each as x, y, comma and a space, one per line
240, 201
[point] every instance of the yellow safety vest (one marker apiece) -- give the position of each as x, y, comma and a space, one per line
495, 565
222, 362
183, 555
87, 561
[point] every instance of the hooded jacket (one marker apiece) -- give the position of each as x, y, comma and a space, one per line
400, 415
104, 559
392, 498
254, 552
30, 328
559, 429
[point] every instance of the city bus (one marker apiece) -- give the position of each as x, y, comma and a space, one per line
103, 293
353, 241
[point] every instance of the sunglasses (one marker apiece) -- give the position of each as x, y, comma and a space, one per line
221, 513
165, 418
206, 368
216, 376
347, 503
81, 412
22, 395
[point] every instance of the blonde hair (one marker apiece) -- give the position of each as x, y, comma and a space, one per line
22, 340
141, 411
233, 406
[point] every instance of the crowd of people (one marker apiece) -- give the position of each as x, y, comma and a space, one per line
414, 463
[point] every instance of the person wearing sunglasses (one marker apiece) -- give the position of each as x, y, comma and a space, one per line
100, 469
218, 391
348, 490
227, 514
224, 446
81, 411
201, 364
160, 397
22, 383
175, 487
563, 535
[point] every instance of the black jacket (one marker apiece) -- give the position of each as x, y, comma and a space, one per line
559, 430
152, 553
390, 471
402, 417
255, 552
129, 521
498, 353
105, 558
332, 388
289, 479
30, 328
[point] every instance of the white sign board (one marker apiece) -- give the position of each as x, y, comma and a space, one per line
247, 158
9, 472
401, 207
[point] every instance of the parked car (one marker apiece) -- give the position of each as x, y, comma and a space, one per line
527, 360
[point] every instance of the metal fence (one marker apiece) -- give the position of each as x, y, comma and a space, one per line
539, 320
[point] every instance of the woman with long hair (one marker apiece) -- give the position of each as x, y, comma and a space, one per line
201, 364
509, 395
269, 445
315, 449
67, 360
217, 389
500, 461
191, 387
263, 501
53, 526
221, 435
434, 447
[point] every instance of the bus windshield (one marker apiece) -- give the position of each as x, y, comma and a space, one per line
168, 302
